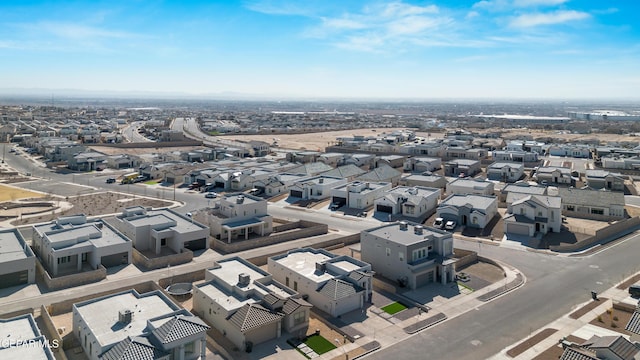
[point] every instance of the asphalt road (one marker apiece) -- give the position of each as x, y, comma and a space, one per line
555, 285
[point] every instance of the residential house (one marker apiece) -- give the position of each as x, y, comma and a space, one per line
463, 152
462, 167
548, 175
119, 161
421, 164
349, 172
278, 183
17, 261
470, 186
332, 159
601, 347
384, 173
22, 339
592, 204
150, 325
425, 179
333, 284
314, 188
245, 304
511, 192
357, 194
87, 161
303, 157
155, 230
576, 151
410, 254
394, 161
71, 242
515, 156
468, 210
260, 148
534, 214
414, 202
505, 171
602, 179
236, 217
363, 161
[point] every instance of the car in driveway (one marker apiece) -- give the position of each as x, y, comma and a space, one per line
438, 223
334, 206
450, 225
211, 195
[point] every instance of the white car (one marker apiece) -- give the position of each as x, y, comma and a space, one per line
450, 225
211, 195
438, 223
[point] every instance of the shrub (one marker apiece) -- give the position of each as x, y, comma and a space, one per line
615, 318
600, 318
614, 325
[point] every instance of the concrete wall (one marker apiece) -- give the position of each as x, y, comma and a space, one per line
617, 229
52, 332
465, 258
162, 261
62, 282
189, 277
308, 229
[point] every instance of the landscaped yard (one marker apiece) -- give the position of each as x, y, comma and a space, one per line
394, 308
319, 344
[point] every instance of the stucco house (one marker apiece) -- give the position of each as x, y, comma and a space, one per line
314, 188
505, 171
602, 179
17, 260
414, 201
470, 186
468, 210
462, 167
358, 195
533, 214
592, 204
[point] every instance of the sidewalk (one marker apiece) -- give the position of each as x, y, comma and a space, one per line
566, 326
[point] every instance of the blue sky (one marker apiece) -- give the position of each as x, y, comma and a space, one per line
326, 48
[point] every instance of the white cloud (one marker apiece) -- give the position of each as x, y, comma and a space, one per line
551, 18
526, 3
503, 5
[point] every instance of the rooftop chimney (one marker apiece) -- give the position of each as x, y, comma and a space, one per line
403, 225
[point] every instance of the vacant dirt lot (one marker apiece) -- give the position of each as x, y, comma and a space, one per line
8, 193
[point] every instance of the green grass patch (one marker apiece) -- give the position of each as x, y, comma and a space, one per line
465, 286
319, 344
393, 308
151, 182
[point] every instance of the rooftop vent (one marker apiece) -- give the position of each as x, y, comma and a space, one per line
403, 225
124, 316
320, 267
321, 180
240, 199
243, 279
418, 229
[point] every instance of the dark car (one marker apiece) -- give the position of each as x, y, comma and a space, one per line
111, 180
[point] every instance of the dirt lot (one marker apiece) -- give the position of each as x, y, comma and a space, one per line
95, 204
11, 193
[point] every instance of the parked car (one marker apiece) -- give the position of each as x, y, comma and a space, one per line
111, 180
334, 206
438, 223
450, 225
634, 290
211, 195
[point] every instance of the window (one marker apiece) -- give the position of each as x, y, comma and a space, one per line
388, 251
571, 208
295, 286
539, 213
163, 242
286, 280
419, 254
189, 348
521, 211
299, 318
474, 220
552, 214
401, 256
597, 211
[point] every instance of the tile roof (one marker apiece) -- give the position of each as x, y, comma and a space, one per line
133, 348
618, 345
577, 353
294, 304
253, 316
337, 289
179, 327
634, 323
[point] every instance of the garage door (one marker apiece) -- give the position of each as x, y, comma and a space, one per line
424, 279
13, 279
194, 245
339, 200
114, 260
296, 193
384, 209
517, 229
219, 184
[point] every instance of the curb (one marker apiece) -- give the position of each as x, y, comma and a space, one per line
519, 281
433, 320
376, 347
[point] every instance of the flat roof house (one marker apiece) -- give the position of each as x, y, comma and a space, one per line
462, 167
411, 254
236, 216
21, 339
149, 325
334, 284
468, 210
469, 185
17, 261
317, 187
425, 179
554, 175
358, 194
244, 303
421, 164
155, 229
70, 242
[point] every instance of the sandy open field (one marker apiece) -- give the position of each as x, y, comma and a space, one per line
9, 193
317, 141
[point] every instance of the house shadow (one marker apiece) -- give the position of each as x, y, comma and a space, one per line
383, 216
428, 293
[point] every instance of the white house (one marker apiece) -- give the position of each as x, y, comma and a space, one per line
602, 179
468, 210
68, 243
468, 185
334, 284
17, 261
154, 230
413, 201
505, 171
554, 175
533, 214
357, 194
420, 164
592, 204
313, 188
